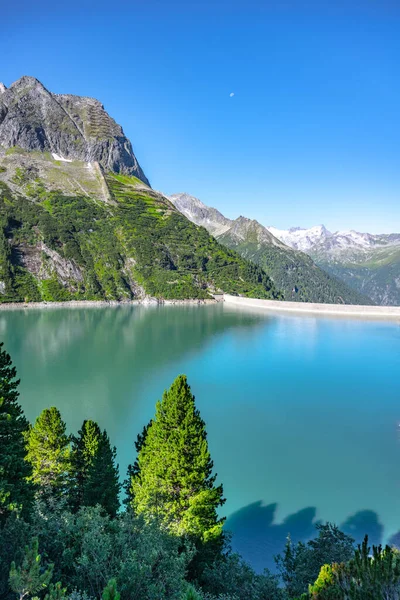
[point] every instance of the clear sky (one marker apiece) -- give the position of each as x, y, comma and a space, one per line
311, 134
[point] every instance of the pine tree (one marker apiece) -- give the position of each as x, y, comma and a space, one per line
49, 454
175, 484
102, 485
30, 578
85, 447
95, 472
16, 493
56, 592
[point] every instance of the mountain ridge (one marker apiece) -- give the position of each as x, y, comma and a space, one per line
369, 263
292, 271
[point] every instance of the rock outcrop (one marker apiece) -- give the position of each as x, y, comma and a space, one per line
71, 127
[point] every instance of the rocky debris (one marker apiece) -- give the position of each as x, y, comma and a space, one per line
72, 127
43, 262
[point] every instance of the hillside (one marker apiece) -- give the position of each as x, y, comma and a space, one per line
368, 263
79, 220
292, 271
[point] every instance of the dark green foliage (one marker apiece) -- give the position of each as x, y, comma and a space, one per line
94, 469
102, 482
295, 274
88, 549
140, 240
15, 534
49, 454
29, 578
231, 576
300, 563
16, 494
84, 449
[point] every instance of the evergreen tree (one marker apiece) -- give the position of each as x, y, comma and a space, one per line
56, 592
85, 447
16, 493
175, 484
102, 483
49, 454
95, 476
30, 578
110, 592
300, 563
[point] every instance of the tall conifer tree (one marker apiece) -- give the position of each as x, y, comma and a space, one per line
95, 472
85, 447
49, 454
16, 493
103, 485
175, 484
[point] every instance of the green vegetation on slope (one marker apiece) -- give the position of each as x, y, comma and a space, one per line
57, 247
295, 274
379, 278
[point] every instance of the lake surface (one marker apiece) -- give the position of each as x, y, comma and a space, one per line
303, 413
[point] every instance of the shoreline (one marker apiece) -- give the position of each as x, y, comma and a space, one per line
103, 303
276, 306
308, 308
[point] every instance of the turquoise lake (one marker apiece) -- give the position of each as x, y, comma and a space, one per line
302, 413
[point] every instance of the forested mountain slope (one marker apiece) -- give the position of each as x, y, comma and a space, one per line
292, 271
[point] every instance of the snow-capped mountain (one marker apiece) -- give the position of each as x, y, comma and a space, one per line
301, 239
293, 272
319, 237
369, 263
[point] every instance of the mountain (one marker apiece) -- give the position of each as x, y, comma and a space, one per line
70, 127
368, 263
292, 271
79, 220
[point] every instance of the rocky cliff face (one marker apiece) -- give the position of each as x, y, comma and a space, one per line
199, 213
70, 127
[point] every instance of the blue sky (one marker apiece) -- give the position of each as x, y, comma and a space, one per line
311, 135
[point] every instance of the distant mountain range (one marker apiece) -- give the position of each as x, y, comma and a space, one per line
368, 263
292, 271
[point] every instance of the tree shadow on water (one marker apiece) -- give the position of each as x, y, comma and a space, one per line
257, 538
361, 523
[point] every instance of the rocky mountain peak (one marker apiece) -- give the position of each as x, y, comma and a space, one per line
199, 213
2, 88
72, 127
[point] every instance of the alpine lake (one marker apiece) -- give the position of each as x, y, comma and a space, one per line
302, 412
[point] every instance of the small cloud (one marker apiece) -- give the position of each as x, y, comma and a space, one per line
231, 94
